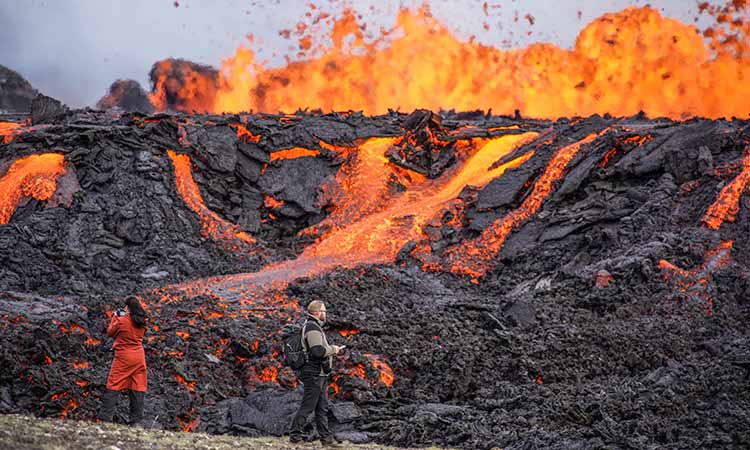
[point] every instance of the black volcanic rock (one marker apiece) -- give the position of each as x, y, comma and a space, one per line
297, 181
127, 95
46, 109
16, 93
533, 354
216, 147
424, 147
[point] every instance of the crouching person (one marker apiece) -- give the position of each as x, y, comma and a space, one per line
315, 375
128, 371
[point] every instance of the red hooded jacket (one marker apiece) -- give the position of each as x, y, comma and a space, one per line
129, 366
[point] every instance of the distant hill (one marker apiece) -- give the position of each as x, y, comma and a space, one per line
16, 93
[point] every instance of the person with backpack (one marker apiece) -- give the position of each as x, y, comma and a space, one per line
314, 374
128, 371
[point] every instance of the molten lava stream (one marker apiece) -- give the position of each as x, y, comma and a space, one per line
212, 225
362, 184
695, 282
475, 257
8, 130
361, 232
31, 176
728, 202
377, 237
291, 153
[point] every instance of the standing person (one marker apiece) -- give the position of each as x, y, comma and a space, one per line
315, 376
128, 371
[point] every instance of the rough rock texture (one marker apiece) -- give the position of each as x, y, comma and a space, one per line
46, 109
16, 93
127, 95
612, 317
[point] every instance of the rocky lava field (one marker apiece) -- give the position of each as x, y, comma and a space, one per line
498, 281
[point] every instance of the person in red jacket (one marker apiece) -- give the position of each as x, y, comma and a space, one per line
128, 371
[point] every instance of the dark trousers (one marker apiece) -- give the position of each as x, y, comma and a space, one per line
109, 404
314, 398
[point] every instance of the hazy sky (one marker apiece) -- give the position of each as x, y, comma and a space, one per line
74, 49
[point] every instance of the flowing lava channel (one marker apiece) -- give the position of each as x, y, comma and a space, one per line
475, 257
377, 237
212, 225
622, 63
354, 233
369, 225
696, 283
8, 130
291, 153
32, 176
726, 206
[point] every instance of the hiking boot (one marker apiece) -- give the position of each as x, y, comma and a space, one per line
329, 442
296, 439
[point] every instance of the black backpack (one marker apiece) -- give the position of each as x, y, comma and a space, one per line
295, 350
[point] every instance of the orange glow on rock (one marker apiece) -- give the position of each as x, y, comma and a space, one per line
8, 130
291, 153
221, 347
607, 156
187, 424
348, 333
32, 176
213, 315
622, 63
272, 203
384, 369
190, 385
369, 221
212, 225
358, 371
70, 406
475, 257
369, 224
80, 365
269, 374
727, 204
694, 282
244, 134
184, 335
77, 329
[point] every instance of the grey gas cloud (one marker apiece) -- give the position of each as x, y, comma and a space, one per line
74, 49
